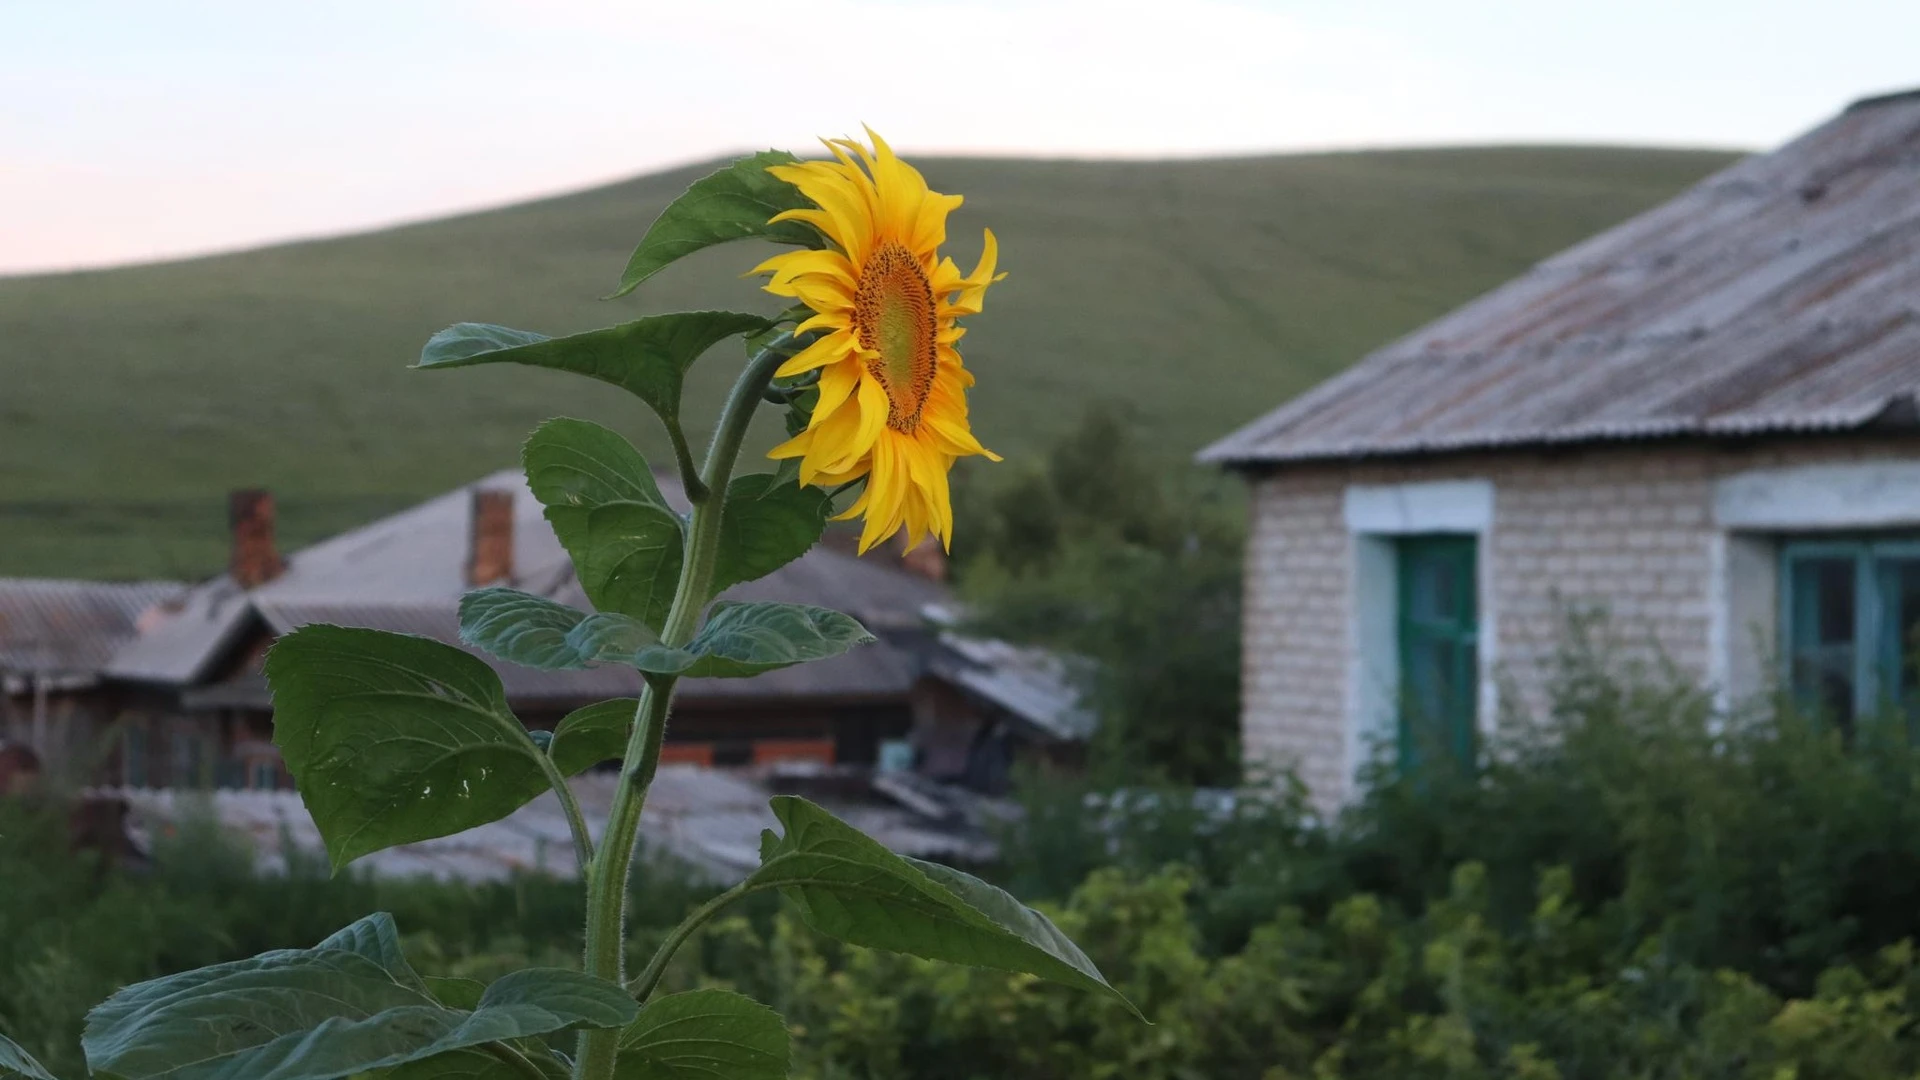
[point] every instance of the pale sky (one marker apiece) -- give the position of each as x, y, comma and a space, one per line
138, 130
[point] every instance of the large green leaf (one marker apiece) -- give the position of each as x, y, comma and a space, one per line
454, 991
588, 736
393, 738
603, 504
321, 1013
520, 627
647, 357
579, 463
732, 204
766, 524
704, 1035
472, 1064
847, 886
17, 1064
738, 641
378, 939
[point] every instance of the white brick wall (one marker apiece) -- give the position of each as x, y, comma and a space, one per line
1626, 528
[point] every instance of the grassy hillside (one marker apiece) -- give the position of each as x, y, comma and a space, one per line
1200, 293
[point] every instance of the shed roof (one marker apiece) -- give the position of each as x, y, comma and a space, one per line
407, 571
1778, 295
55, 627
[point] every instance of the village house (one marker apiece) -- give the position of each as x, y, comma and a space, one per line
1703, 423
158, 685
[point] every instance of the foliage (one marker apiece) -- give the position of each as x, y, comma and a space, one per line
1105, 554
1633, 889
1202, 291
72, 931
395, 738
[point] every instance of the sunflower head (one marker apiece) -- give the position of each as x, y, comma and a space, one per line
892, 407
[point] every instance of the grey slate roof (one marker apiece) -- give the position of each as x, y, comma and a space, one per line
1781, 294
405, 573
1033, 685
707, 819
72, 628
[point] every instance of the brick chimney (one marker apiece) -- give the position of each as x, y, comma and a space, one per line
490, 549
254, 560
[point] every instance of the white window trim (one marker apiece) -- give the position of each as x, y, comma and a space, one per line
1750, 509
1375, 514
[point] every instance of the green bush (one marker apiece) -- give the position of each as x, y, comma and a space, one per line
1631, 887
73, 931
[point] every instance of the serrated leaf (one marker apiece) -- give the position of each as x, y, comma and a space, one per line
455, 992
737, 642
393, 738
701, 1035
848, 886
734, 203
521, 628
478, 1064
465, 1064
588, 736
579, 463
766, 525
378, 939
601, 500
740, 640
17, 1064
582, 1000
648, 357
610, 637
323, 1013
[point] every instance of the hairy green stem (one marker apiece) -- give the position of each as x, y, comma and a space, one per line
576, 822
683, 457
642, 986
607, 885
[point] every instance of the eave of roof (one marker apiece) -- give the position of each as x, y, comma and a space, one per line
1776, 297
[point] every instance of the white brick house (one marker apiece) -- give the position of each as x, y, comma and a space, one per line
1705, 422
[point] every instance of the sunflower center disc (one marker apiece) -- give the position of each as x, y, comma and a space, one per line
893, 315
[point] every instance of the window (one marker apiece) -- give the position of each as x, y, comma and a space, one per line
1438, 628
133, 756
1851, 623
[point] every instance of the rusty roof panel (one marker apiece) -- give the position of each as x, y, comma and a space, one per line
1779, 295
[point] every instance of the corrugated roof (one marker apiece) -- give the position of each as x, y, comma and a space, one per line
1779, 295
68, 628
709, 819
874, 671
1035, 685
406, 573
413, 565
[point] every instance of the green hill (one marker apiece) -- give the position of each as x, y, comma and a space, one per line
1199, 293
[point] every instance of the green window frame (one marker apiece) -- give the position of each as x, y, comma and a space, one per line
1438, 627
1850, 627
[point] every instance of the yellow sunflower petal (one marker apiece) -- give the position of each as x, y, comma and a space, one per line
892, 404
837, 383
835, 346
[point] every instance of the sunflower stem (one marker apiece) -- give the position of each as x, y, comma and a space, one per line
690, 480
607, 886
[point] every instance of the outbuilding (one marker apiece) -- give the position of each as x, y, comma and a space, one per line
1703, 424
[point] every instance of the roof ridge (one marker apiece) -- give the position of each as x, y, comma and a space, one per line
1891, 97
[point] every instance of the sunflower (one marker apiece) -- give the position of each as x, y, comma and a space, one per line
893, 403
